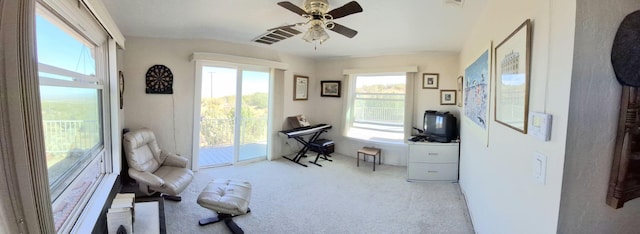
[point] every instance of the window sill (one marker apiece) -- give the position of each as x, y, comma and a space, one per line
91, 213
371, 136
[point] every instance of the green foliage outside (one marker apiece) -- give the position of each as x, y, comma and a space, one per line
380, 104
217, 120
70, 125
71, 129
389, 88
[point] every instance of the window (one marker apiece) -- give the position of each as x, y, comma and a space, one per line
377, 106
73, 81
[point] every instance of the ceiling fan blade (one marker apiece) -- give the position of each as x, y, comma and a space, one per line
290, 6
348, 9
347, 32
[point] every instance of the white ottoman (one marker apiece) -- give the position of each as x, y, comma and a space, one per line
228, 198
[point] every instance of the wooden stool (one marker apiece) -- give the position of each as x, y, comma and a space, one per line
369, 151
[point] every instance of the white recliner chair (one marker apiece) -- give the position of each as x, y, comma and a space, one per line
155, 170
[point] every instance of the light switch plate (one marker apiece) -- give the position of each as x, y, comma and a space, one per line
539, 167
540, 125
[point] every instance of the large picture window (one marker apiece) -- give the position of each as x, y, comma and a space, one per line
378, 106
72, 71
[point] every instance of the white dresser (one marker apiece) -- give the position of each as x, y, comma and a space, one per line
430, 161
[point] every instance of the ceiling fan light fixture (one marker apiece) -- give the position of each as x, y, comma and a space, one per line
323, 36
316, 33
308, 36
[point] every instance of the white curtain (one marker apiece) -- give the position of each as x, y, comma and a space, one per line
24, 193
408, 104
347, 111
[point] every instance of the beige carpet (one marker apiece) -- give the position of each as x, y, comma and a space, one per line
336, 198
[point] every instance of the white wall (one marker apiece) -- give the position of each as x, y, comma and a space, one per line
595, 102
171, 116
330, 109
497, 180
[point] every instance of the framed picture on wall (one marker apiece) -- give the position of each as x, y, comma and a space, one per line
330, 88
512, 58
300, 87
430, 80
447, 97
476, 89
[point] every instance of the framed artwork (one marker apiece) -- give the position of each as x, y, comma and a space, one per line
447, 97
300, 87
430, 80
476, 89
460, 82
512, 58
330, 88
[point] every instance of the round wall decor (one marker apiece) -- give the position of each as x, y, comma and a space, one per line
625, 53
159, 80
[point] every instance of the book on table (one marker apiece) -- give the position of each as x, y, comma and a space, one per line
121, 213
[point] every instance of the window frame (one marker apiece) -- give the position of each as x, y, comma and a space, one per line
104, 156
79, 81
358, 132
347, 111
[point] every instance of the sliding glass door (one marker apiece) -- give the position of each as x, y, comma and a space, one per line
254, 113
234, 107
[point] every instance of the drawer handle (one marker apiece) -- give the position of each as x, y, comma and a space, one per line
433, 153
432, 171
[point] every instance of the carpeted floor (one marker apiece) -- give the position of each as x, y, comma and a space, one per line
336, 198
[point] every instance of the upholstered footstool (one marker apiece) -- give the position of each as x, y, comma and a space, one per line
228, 198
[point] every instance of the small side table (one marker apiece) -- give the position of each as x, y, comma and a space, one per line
369, 151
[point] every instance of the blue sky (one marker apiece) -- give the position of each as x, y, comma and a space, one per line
513, 79
57, 48
220, 82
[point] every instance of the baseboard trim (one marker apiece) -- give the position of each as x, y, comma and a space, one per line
466, 202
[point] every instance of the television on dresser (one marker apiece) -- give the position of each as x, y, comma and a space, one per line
440, 126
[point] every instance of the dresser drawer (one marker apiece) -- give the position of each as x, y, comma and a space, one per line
433, 154
424, 171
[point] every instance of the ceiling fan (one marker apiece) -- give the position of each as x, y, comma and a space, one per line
317, 17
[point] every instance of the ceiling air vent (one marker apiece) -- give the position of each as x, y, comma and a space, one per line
276, 35
454, 2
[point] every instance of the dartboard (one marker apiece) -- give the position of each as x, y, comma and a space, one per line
159, 79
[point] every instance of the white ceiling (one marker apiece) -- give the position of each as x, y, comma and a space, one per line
384, 26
